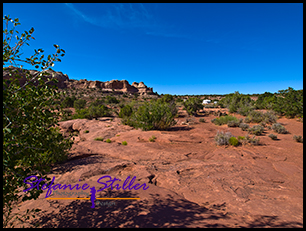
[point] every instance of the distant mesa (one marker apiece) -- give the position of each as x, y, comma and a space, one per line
65, 82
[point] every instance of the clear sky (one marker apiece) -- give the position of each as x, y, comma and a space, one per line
174, 48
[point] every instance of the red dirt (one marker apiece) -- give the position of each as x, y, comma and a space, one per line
192, 182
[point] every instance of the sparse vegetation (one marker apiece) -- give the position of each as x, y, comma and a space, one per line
224, 120
273, 137
244, 127
124, 143
202, 120
298, 138
256, 130
152, 139
99, 139
280, 129
233, 141
108, 141
193, 105
222, 138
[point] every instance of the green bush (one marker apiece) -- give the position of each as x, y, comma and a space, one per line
124, 143
233, 123
68, 102
224, 120
111, 100
93, 112
298, 138
125, 111
166, 98
280, 129
255, 116
252, 141
154, 115
256, 130
97, 102
202, 120
273, 137
265, 101
244, 127
108, 141
222, 138
193, 105
289, 103
152, 139
79, 104
99, 139
31, 142
233, 141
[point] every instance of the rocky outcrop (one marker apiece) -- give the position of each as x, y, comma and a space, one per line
65, 82
11, 72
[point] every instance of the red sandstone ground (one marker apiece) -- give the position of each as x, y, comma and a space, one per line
192, 182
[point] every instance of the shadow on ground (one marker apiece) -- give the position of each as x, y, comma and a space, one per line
164, 212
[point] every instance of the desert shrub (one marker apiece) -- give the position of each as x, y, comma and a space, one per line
68, 102
245, 110
111, 100
202, 120
86, 131
66, 114
93, 112
108, 141
154, 115
236, 101
233, 123
125, 111
124, 143
97, 102
244, 127
152, 139
269, 117
252, 141
280, 129
289, 103
166, 98
263, 124
298, 138
193, 105
79, 104
99, 139
233, 141
241, 138
224, 120
31, 143
265, 101
256, 130
273, 137
222, 138
255, 116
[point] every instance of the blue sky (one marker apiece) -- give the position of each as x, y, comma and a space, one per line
174, 48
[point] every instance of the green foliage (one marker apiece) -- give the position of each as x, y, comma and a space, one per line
31, 143
244, 127
289, 103
298, 138
86, 131
124, 143
166, 98
152, 139
233, 141
111, 100
256, 130
258, 117
154, 115
224, 120
97, 102
202, 120
108, 141
265, 101
68, 102
237, 102
273, 137
280, 129
79, 104
92, 112
125, 111
99, 139
222, 138
193, 105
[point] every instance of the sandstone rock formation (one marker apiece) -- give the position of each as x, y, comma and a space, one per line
65, 82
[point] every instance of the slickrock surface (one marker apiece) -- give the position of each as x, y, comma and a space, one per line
192, 182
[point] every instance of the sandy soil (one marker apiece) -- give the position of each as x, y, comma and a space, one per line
192, 181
